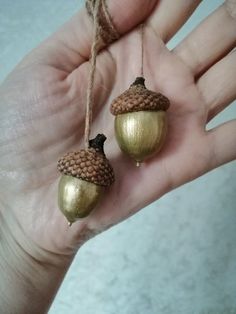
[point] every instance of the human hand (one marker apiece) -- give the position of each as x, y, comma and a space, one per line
43, 118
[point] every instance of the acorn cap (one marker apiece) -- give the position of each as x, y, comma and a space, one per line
88, 164
139, 98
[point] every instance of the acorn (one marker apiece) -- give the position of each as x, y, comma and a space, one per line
140, 121
85, 175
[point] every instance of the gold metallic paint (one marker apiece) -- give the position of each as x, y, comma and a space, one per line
77, 198
140, 134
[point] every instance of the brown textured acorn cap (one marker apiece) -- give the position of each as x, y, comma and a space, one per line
139, 98
88, 164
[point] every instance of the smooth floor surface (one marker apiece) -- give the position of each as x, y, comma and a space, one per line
178, 255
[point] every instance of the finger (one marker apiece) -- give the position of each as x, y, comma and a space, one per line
70, 45
222, 141
218, 85
210, 41
170, 15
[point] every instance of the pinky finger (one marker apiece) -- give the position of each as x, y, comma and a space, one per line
222, 140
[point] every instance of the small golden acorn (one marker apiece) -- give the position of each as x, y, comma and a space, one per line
140, 122
85, 174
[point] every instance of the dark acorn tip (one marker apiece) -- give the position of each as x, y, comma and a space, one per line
98, 143
139, 81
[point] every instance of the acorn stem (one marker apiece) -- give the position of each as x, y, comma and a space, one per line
98, 143
139, 81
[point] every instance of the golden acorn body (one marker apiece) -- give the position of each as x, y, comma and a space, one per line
77, 198
140, 134
85, 174
140, 121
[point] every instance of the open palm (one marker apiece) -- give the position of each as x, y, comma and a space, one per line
43, 110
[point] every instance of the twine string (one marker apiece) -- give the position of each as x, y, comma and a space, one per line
142, 47
94, 51
104, 32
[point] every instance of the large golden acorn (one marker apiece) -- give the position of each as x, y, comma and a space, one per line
140, 120
85, 174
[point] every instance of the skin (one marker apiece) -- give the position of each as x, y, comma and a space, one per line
42, 116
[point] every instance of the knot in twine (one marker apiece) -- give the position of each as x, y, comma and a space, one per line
106, 28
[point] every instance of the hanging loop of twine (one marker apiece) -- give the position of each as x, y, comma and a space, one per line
104, 33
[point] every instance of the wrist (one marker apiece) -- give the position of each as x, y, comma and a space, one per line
30, 276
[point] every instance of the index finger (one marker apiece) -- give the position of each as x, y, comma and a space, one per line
70, 46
